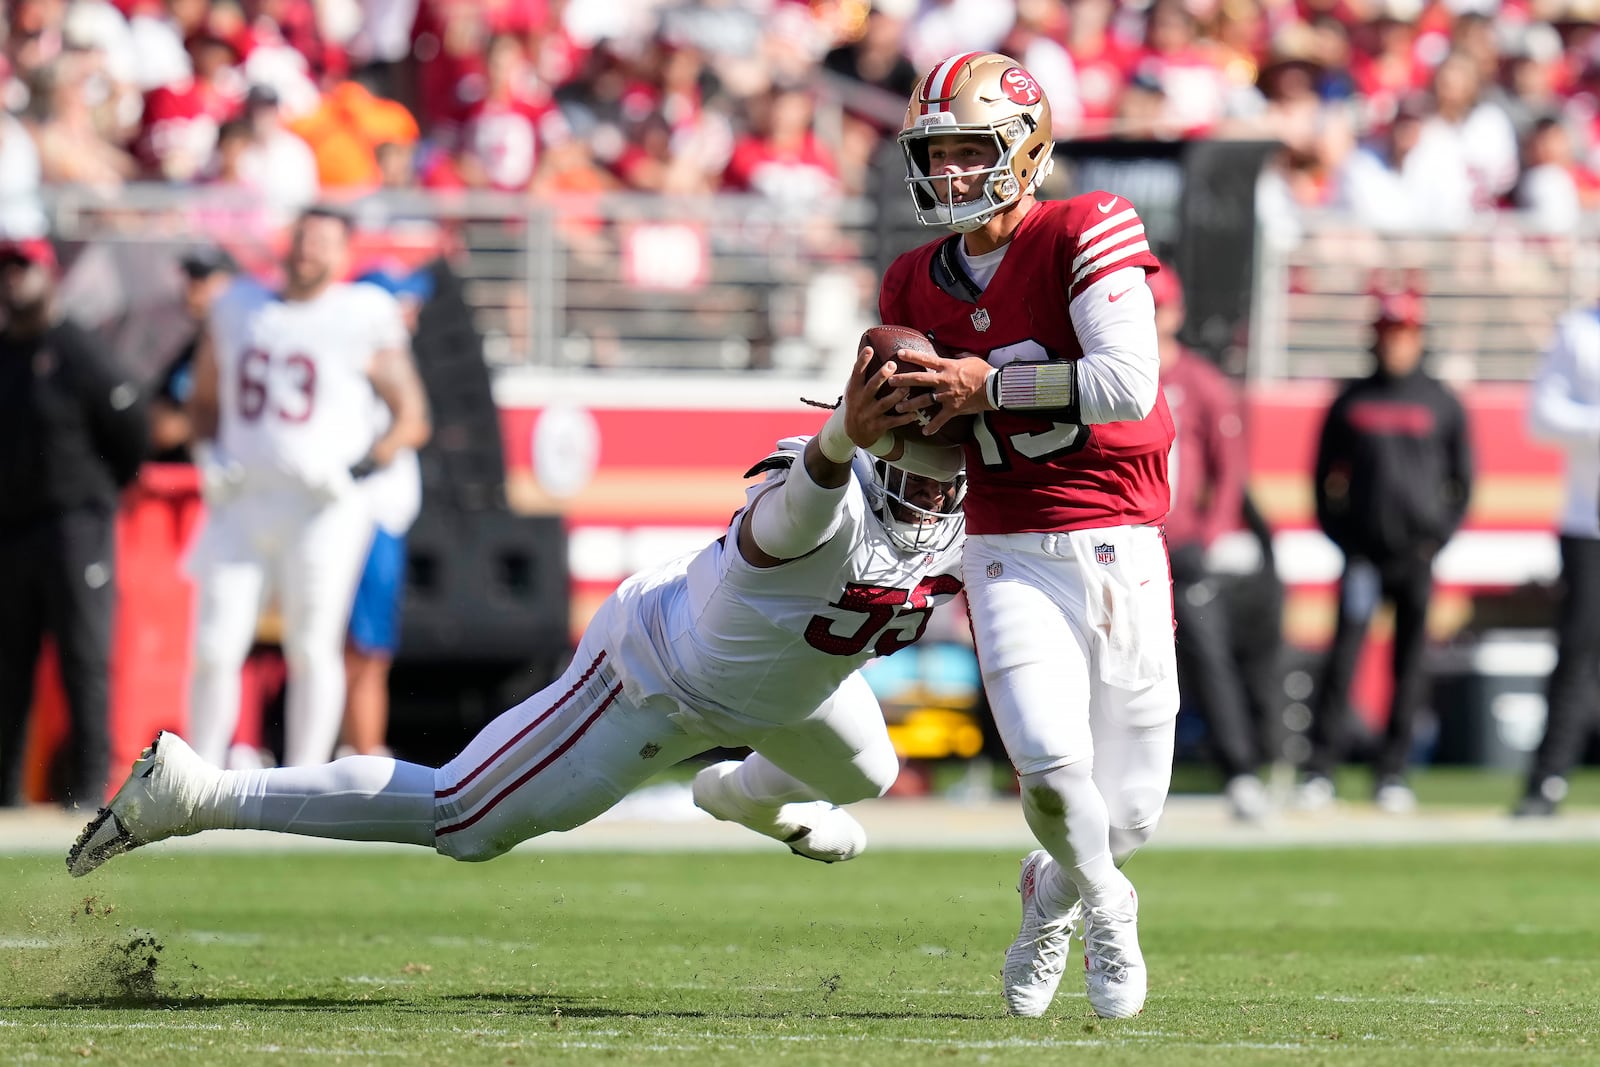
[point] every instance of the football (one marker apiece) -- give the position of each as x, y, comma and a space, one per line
884, 341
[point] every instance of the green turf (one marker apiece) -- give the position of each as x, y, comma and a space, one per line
1383, 957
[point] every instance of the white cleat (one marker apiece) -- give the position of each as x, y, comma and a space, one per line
1395, 797
1113, 965
1037, 959
1247, 797
1315, 793
157, 801
815, 829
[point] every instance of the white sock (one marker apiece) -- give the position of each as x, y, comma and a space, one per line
1068, 815
359, 798
764, 783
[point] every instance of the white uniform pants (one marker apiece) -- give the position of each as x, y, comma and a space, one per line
571, 751
310, 552
1074, 637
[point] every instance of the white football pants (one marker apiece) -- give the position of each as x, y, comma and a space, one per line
1075, 641
573, 750
311, 553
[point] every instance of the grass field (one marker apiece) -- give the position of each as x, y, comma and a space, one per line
1379, 956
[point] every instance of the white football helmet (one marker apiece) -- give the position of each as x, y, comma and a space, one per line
909, 526
988, 95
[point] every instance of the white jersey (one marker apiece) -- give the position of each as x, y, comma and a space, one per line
295, 401
1564, 409
736, 644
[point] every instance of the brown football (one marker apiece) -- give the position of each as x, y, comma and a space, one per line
884, 340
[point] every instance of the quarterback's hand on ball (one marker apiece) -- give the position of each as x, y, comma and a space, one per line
870, 401
957, 384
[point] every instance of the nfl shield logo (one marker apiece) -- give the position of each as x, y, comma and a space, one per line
1105, 555
994, 570
980, 319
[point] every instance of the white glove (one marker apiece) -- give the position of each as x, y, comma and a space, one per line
220, 477
331, 486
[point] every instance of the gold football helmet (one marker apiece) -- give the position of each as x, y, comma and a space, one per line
988, 95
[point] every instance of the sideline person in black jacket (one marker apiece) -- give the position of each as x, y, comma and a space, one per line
72, 433
1394, 473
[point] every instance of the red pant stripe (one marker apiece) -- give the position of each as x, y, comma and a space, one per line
441, 794
541, 765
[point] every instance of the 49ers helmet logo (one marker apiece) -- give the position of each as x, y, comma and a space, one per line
1020, 87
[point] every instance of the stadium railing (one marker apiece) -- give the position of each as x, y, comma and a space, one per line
615, 283
1492, 293
601, 287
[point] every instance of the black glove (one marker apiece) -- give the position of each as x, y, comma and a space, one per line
365, 467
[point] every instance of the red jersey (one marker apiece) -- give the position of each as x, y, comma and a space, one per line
1029, 472
1209, 461
802, 172
507, 137
178, 131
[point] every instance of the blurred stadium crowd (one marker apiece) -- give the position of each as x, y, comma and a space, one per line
1408, 111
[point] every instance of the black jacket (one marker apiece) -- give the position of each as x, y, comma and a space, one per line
1394, 468
72, 427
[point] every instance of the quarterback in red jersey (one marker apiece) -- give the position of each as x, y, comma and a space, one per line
1065, 567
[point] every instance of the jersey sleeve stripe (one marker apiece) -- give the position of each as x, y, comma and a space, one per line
1127, 233
1105, 261
1101, 227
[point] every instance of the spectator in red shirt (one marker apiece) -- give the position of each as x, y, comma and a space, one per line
1103, 64
506, 131
1387, 71
1196, 92
179, 130
451, 41
649, 164
783, 159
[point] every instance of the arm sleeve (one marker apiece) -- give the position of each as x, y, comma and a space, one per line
797, 515
1555, 413
1119, 373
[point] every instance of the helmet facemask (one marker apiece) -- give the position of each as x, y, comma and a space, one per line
910, 526
933, 196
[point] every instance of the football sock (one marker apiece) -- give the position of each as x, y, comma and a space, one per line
358, 798
1068, 815
762, 782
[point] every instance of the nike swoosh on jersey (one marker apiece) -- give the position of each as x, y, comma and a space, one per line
1114, 297
1107, 206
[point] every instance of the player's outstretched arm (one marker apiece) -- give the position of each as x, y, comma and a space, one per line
806, 508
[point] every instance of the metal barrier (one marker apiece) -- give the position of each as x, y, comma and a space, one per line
1492, 294
608, 283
